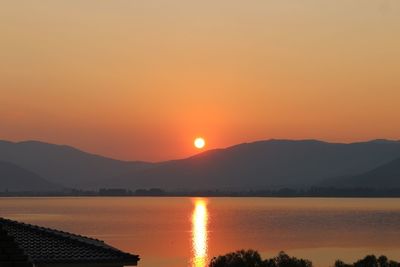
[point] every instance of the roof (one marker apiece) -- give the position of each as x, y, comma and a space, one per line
49, 246
10, 253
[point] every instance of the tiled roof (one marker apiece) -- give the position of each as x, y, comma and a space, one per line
10, 254
44, 245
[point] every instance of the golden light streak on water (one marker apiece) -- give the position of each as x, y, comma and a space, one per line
199, 233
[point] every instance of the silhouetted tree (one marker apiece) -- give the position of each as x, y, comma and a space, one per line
369, 261
383, 261
251, 258
284, 260
241, 258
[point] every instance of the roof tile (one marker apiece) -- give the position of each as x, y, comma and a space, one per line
45, 245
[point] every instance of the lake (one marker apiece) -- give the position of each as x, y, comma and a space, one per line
176, 232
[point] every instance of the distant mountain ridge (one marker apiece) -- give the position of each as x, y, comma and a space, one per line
65, 165
16, 179
257, 165
266, 164
385, 176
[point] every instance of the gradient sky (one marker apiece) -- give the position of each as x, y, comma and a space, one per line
140, 79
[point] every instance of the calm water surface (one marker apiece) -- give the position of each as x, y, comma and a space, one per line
180, 232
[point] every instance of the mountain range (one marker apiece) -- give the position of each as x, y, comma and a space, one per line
385, 176
65, 165
258, 165
17, 179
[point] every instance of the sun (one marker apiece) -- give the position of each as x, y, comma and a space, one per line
199, 142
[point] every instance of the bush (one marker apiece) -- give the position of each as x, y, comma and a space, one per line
369, 261
251, 258
241, 258
284, 260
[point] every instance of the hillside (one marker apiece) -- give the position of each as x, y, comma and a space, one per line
16, 179
265, 164
386, 176
65, 165
258, 165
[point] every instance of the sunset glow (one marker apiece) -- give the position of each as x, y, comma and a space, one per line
137, 80
199, 233
199, 142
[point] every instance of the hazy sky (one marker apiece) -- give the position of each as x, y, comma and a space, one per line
140, 79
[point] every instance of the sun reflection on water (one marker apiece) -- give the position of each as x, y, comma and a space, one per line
199, 233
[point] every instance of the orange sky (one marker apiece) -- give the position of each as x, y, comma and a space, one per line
140, 79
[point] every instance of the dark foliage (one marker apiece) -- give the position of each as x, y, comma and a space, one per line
251, 258
284, 260
241, 258
370, 261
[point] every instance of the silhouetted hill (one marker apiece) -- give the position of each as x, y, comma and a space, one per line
265, 164
258, 165
16, 179
65, 165
385, 176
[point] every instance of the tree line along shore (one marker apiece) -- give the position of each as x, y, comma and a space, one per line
158, 192
251, 258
